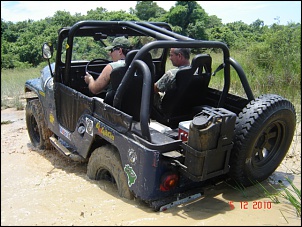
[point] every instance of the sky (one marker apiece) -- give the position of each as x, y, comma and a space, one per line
280, 12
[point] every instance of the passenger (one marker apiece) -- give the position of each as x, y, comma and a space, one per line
117, 51
180, 57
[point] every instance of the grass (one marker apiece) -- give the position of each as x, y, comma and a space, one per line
278, 80
6, 122
262, 81
281, 191
12, 86
291, 194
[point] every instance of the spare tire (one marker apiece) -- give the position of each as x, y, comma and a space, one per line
264, 131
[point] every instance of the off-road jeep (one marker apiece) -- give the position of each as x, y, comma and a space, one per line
162, 156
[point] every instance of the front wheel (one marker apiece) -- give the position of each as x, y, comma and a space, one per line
105, 163
263, 133
37, 129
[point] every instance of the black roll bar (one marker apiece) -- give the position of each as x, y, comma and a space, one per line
145, 100
242, 77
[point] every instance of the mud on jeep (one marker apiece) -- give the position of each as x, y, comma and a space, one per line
162, 157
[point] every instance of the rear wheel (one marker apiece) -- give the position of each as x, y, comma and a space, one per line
263, 133
37, 129
105, 163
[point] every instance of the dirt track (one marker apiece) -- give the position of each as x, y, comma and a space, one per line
44, 188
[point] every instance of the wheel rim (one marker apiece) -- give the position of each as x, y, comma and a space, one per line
105, 175
268, 143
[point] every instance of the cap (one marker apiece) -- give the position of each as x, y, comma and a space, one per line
119, 41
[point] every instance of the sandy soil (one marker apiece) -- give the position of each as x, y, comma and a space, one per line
44, 188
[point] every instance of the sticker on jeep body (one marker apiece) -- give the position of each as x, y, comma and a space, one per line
105, 131
130, 174
64, 132
89, 127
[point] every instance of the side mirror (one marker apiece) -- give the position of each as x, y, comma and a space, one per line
47, 50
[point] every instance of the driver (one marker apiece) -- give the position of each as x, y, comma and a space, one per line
117, 51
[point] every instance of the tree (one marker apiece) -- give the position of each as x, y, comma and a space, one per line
120, 16
97, 14
198, 31
222, 34
63, 19
186, 13
213, 22
21, 42
145, 10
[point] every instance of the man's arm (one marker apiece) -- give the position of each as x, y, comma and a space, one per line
96, 86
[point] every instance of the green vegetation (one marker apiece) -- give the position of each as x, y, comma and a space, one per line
291, 194
6, 122
21, 42
12, 86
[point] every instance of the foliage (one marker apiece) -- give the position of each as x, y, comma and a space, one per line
265, 46
293, 195
190, 17
145, 10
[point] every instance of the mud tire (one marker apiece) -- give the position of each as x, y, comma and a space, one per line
105, 163
37, 129
264, 131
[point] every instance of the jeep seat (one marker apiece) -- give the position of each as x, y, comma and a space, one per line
131, 100
191, 89
117, 75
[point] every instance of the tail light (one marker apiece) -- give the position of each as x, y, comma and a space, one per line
169, 181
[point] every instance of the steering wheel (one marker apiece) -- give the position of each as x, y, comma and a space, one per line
93, 61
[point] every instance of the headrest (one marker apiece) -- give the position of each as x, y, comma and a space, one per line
131, 54
202, 60
147, 59
129, 57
